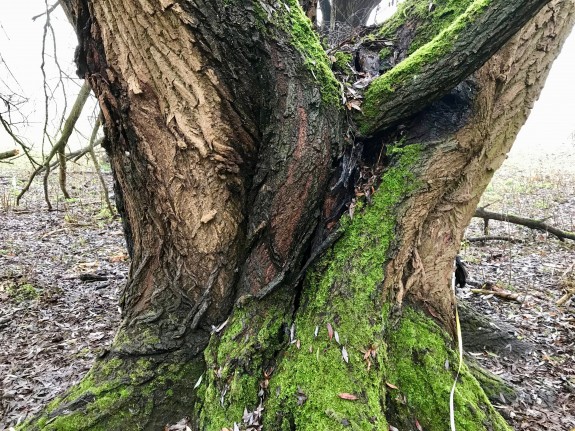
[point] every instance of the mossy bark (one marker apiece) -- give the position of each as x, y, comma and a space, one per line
231, 188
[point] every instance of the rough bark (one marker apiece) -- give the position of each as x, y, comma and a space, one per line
223, 132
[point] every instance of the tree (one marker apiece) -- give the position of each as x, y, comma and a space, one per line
354, 13
291, 261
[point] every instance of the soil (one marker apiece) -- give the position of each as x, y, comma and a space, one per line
55, 318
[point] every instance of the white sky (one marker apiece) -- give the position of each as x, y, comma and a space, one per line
20, 50
550, 124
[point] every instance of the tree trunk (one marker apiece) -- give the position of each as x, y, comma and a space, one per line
233, 163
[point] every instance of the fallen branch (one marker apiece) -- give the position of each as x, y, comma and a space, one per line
500, 293
493, 238
523, 221
8, 154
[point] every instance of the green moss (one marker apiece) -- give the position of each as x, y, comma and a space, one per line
306, 41
493, 386
22, 292
423, 23
423, 365
407, 71
343, 61
344, 291
120, 394
385, 53
239, 358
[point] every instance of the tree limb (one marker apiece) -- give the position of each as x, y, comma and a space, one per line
523, 221
97, 165
435, 68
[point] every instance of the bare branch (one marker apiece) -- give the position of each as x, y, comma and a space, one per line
8, 154
97, 165
527, 222
66, 132
48, 11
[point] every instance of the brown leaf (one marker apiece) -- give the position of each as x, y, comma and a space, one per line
391, 385
418, 426
329, 331
346, 396
118, 258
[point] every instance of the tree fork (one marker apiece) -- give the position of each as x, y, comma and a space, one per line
380, 298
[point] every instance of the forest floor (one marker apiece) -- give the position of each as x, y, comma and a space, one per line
53, 322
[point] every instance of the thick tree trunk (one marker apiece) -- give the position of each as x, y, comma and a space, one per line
223, 128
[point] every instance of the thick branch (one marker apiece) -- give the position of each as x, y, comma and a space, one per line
527, 222
435, 68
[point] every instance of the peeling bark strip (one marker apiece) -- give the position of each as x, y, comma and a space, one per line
223, 134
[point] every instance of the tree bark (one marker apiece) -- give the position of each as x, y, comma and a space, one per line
233, 164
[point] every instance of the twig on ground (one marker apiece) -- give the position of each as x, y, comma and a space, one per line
8, 154
569, 285
500, 293
494, 238
570, 293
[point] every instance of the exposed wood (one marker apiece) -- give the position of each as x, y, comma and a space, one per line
527, 222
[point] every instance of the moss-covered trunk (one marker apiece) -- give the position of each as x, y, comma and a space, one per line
288, 273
